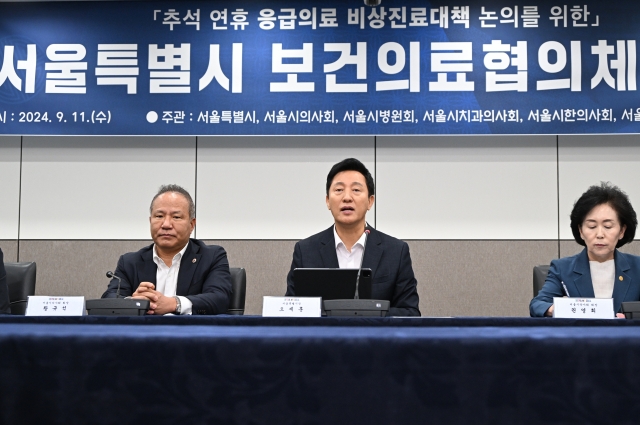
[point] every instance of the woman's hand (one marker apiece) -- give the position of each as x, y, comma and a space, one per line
549, 312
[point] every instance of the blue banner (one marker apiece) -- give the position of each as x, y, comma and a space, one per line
265, 68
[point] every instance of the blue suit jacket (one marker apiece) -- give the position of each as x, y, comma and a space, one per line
4, 289
387, 257
576, 275
203, 277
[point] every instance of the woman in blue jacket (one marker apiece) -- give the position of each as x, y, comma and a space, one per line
602, 220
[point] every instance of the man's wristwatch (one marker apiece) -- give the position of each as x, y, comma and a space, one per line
178, 306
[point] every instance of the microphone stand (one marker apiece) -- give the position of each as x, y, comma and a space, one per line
117, 306
357, 307
366, 236
112, 275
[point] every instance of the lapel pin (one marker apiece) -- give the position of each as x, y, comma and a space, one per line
621, 278
194, 260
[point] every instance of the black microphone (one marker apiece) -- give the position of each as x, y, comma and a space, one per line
357, 307
112, 275
117, 306
366, 235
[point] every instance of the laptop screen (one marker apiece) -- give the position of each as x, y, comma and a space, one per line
332, 284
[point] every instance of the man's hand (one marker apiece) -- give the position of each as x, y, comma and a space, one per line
159, 303
549, 312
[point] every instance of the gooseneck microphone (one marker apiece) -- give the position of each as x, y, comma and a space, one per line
117, 306
356, 306
366, 235
112, 275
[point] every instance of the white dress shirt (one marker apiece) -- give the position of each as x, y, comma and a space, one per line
167, 278
346, 259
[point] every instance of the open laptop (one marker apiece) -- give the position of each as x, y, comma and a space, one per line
332, 284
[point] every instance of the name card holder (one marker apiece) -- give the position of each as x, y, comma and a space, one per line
583, 308
55, 306
291, 307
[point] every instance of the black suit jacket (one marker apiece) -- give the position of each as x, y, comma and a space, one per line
203, 277
4, 288
387, 257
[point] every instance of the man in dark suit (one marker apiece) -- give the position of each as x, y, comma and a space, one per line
350, 194
176, 274
4, 289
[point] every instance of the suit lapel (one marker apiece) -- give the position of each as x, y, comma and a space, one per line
328, 250
188, 265
582, 277
372, 251
622, 280
146, 268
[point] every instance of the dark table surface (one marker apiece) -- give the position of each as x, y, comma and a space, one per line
228, 320
231, 369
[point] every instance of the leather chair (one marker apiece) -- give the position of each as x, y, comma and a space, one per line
539, 276
21, 280
239, 291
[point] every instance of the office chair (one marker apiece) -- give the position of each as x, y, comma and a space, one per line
539, 276
21, 280
238, 291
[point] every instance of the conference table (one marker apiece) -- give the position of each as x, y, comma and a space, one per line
255, 370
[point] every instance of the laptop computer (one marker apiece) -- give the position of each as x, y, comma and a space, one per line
332, 284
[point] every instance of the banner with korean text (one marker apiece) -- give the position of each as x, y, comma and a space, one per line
336, 67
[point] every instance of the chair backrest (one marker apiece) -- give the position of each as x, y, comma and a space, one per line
21, 280
539, 276
239, 290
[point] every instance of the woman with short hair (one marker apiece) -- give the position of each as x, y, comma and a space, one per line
602, 220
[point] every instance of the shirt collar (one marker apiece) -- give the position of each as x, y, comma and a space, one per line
339, 242
177, 257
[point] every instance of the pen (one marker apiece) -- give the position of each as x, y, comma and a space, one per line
566, 291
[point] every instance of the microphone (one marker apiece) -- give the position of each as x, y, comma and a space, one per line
366, 235
356, 307
117, 306
112, 275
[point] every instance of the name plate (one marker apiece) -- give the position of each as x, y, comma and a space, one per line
291, 307
55, 306
583, 308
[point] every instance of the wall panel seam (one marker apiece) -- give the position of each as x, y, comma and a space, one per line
19, 199
558, 187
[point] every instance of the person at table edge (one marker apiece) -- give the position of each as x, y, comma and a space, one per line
602, 220
176, 274
4, 289
350, 193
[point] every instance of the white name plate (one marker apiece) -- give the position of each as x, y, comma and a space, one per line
291, 307
583, 308
55, 306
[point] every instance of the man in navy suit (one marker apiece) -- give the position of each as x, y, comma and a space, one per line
4, 289
176, 274
349, 195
